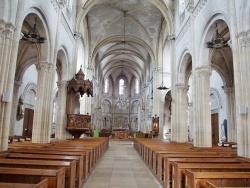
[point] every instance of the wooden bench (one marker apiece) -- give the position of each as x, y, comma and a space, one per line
41, 184
218, 185
56, 178
168, 165
64, 152
70, 167
87, 157
160, 166
178, 175
225, 179
79, 164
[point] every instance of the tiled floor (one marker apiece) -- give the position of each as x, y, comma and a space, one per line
121, 167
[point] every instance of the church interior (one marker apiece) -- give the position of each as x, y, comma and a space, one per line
161, 82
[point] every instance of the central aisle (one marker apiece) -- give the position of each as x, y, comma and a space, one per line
121, 167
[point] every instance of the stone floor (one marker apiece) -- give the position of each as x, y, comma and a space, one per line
121, 167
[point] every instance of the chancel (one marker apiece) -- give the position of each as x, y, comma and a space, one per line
140, 85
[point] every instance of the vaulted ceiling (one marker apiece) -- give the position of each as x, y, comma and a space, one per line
124, 35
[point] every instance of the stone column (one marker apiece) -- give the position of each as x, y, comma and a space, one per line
44, 104
203, 128
7, 74
156, 93
61, 132
243, 129
231, 123
238, 82
181, 127
191, 124
157, 104
14, 106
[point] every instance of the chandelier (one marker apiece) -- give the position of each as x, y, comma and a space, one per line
162, 87
217, 42
32, 36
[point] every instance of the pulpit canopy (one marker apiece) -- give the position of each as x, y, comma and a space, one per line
78, 84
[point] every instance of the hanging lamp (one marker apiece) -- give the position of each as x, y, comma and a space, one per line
32, 36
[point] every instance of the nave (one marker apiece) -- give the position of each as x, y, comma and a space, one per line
122, 167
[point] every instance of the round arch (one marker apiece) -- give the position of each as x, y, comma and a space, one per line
185, 67
44, 30
208, 31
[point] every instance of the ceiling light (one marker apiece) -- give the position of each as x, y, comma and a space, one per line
32, 36
217, 42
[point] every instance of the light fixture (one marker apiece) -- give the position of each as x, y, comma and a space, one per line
162, 87
32, 36
218, 41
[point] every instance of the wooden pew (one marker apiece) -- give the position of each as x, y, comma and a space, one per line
87, 156
64, 152
41, 184
168, 165
225, 179
56, 178
218, 185
178, 175
160, 166
79, 164
70, 167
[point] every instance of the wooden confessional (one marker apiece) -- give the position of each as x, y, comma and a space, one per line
77, 124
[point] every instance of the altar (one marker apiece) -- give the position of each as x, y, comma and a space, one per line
120, 130
120, 134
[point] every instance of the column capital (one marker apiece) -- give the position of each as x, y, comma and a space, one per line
182, 87
157, 69
203, 71
62, 83
43, 65
9, 30
244, 39
2, 27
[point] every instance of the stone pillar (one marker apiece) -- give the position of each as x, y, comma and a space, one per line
15, 102
181, 126
231, 123
191, 124
243, 129
8, 46
157, 104
238, 81
203, 128
61, 132
44, 104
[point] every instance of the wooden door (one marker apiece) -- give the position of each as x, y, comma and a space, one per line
28, 122
215, 129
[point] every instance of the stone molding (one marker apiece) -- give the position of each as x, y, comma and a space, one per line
198, 7
55, 5
183, 31
67, 28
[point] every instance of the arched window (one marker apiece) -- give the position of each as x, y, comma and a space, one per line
137, 86
181, 6
121, 87
106, 86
